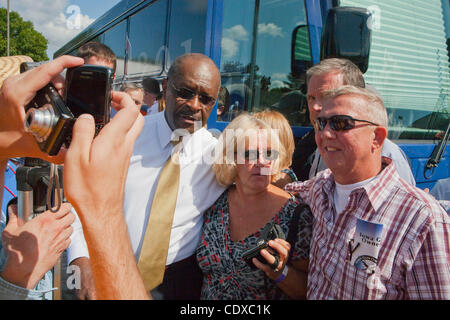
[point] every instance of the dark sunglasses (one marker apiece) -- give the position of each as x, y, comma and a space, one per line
188, 94
251, 155
339, 122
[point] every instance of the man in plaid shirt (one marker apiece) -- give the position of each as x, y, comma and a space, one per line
362, 186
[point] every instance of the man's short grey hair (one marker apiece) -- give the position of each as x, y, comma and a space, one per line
352, 75
374, 108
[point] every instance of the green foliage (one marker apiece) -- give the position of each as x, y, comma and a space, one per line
24, 40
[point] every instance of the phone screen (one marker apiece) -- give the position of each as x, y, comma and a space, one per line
87, 93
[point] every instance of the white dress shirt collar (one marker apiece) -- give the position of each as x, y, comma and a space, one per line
164, 131
165, 134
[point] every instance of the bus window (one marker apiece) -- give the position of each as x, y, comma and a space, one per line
146, 56
256, 57
115, 39
187, 28
409, 65
446, 15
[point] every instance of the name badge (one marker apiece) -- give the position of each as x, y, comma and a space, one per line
366, 245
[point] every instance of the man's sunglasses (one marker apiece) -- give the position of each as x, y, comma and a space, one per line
188, 94
252, 155
339, 122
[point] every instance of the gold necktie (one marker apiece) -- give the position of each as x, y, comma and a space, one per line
152, 260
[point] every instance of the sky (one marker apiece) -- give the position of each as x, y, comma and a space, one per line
59, 20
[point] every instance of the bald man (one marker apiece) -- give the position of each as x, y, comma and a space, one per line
192, 90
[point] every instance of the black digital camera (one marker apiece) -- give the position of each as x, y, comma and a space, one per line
50, 118
270, 232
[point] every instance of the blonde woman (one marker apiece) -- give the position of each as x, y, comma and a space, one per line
247, 160
279, 122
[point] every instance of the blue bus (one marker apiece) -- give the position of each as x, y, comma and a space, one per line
263, 48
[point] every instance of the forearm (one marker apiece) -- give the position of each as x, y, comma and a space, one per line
22, 278
112, 260
294, 285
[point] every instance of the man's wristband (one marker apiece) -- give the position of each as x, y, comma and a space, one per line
282, 275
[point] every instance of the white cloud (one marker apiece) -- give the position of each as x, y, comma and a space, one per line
53, 19
236, 32
278, 84
270, 29
61, 29
231, 38
279, 76
229, 47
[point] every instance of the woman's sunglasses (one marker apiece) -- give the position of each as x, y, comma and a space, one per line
252, 155
339, 122
188, 94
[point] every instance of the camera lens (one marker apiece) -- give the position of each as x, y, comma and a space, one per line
40, 122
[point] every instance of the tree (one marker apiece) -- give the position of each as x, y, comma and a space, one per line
24, 40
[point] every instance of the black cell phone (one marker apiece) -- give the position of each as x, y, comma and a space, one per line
88, 90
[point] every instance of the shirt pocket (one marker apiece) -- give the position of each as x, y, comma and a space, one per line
351, 283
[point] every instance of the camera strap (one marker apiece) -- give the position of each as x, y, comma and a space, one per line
292, 236
54, 176
293, 227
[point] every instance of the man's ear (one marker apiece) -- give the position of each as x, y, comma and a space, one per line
380, 134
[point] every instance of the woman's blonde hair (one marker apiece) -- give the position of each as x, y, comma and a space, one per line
239, 132
279, 122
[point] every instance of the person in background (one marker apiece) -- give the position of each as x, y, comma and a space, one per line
223, 104
248, 158
279, 122
136, 93
161, 99
376, 236
441, 191
331, 74
97, 53
153, 96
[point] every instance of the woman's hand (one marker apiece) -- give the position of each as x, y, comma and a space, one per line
272, 269
294, 284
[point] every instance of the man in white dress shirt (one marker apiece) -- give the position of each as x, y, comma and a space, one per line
193, 86
152, 92
331, 74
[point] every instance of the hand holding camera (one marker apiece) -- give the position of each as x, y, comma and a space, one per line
17, 92
271, 252
50, 118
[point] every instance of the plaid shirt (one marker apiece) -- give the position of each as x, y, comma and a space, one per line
413, 261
